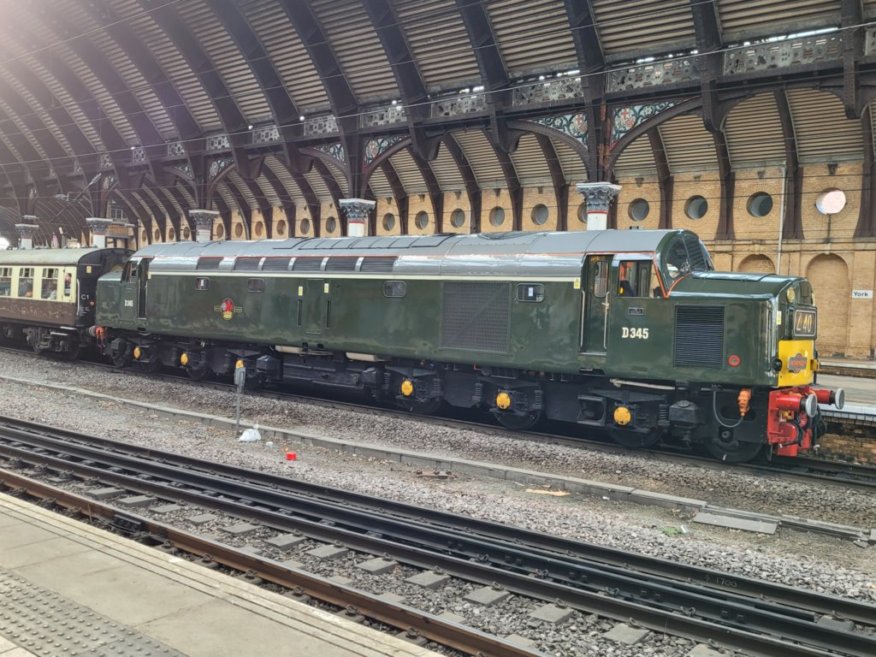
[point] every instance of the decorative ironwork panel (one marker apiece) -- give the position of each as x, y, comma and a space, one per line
218, 166
265, 134
870, 41
376, 147
321, 125
673, 71
574, 125
389, 115
182, 171
334, 149
783, 54
468, 104
625, 119
138, 155
106, 162
176, 149
217, 143
549, 91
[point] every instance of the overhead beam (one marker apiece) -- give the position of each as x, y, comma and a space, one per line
725, 230
433, 187
866, 226
665, 179
707, 28
400, 194
792, 221
471, 184
851, 22
286, 202
558, 179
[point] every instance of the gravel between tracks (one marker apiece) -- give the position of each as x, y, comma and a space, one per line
797, 559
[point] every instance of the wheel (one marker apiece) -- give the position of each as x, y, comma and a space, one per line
151, 366
429, 407
635, 439
35, 337
518, 422
71, 354
725, 447
198, 372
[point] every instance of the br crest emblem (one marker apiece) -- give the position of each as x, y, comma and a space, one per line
227, 310
797, 363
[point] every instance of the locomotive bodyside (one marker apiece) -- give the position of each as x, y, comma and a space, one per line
629, 331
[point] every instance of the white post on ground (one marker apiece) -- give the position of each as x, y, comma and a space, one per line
240, 382
599, 196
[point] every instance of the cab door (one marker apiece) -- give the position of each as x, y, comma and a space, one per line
595, 304
129, 292
142, 286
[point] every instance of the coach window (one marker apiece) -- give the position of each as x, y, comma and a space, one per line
25, 282
49, 288
131, 270
5, 281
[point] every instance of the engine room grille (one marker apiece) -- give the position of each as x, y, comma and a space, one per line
307, 264
699, 336
475, 316
341, 263
378, 264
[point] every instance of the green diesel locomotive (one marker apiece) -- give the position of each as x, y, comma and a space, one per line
631, 331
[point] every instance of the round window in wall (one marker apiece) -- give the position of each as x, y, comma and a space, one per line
696, 207
540, 214
281, 227
582, 213
421, 220
304, 227
171, 234
238, 230
187, 234
497, 216
259, 229
760, 204
457, 218
639, 209
220, 231
157, 235
830, 201
331, 225
144, 237
388, 221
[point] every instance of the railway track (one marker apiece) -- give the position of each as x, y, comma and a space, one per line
801, 468
697, 603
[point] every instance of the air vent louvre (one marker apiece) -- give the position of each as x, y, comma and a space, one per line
377, 265
699, 336
307, 264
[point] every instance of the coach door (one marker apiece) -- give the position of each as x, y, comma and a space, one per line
594, 309
314, 306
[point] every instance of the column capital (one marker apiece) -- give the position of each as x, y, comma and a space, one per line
98, 225
203, 218
356, 210
599, 195
28, 229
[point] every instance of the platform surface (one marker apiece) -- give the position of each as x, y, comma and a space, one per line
69, 589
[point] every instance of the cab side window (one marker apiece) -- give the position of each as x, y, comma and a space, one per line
634, 278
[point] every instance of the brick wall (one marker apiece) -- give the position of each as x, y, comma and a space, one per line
856, 448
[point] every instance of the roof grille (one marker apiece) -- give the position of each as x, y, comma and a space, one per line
307, 264
276, 264
341, 263
247, 264
378, 265
208, 263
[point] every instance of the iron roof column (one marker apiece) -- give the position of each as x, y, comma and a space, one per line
98, 227
203, 220
356, 211
26, 231
598, 196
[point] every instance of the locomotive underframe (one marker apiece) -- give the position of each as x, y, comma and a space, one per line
658, 410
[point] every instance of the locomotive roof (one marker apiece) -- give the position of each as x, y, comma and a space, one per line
59, 257
452, 254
